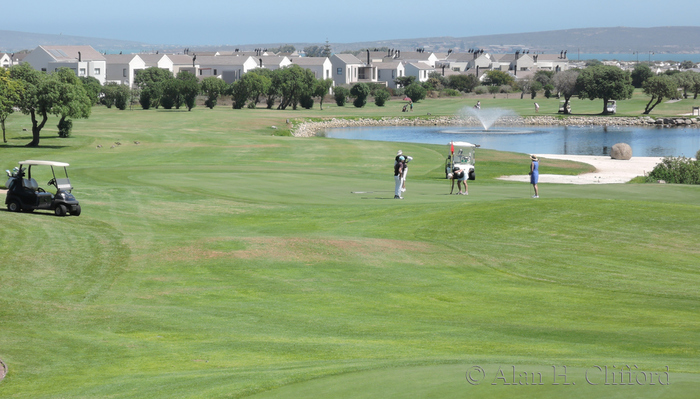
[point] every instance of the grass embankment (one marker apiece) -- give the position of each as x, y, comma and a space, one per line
214, 259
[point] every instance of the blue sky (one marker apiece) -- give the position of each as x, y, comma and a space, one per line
313, 21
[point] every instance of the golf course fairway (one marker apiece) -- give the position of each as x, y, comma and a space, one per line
216, 257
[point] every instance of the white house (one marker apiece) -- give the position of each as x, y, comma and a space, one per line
348, 69
121, 68
5, 60
157, 60
389, 71
226, 67
84, 60
419, 70
320, 66
416, 56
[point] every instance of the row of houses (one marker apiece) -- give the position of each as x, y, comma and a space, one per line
344, 69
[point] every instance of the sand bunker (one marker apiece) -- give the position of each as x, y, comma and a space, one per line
608, 170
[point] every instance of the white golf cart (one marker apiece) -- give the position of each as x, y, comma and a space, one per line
24, 194
611, 107
460, 154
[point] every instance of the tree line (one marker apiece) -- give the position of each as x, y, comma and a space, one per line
66, 96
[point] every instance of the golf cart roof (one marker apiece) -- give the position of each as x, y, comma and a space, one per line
463, 144
47, 163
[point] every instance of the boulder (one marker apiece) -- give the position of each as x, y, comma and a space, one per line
621, 151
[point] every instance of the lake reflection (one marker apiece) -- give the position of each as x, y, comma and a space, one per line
588, 140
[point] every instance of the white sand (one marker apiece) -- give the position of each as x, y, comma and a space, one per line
607, 171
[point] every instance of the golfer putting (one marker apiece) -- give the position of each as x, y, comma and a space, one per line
459, 165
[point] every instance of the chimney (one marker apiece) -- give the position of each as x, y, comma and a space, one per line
369, 62
80, 57
261, 63
194, 58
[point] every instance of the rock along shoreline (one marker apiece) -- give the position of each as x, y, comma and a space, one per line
312, 128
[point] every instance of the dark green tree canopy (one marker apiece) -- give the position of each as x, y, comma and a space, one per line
605, 82
659, 87
640, 74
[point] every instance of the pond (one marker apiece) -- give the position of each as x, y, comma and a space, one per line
579, 140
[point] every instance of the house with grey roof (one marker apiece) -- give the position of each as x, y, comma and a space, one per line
121, 68
387, 72
419, 70
320, 66
157, 60
83, 60
348, 69
227, 67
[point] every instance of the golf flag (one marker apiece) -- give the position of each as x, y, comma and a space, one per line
452, 147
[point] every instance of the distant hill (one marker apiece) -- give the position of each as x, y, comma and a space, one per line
669, 39
12, 41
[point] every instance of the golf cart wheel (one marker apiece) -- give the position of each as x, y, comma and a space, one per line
76, 212
13, 206
60, 210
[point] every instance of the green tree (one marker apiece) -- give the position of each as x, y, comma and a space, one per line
404, 81
212, 87
340, 94
498, 78
685, 81
565, 84
109, 94
463, 83
172, 94
72, 102
696, 85
687, 64
544, 77
604, 82
292, 83
535, 86
150, 81
92, 86
322, 88
381, 97
640, 74
415, 92
658, 87
122, 97
189, 88
35, 99
360, 92
10, 93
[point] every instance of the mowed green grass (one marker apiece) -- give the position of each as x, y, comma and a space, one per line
216, 259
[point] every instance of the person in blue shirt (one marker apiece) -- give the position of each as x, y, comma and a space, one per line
534, 174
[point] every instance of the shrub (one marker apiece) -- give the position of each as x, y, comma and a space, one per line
306, 101
481, 89
340, 94
679, 170
415, 92
451, 93
360, 91
548, 90
380, 97
64, 127
506, 89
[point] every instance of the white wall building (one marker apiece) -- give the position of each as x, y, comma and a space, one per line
84, 60
121, 68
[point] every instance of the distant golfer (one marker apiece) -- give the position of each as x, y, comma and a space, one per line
407, 159
534, 174
537, 107
461, 177
398, 173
